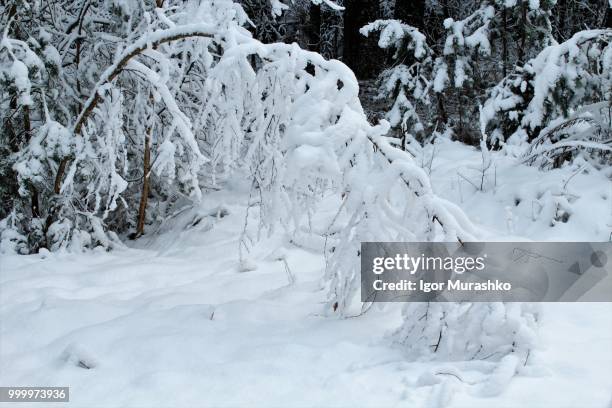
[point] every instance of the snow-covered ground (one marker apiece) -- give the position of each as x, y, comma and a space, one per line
178, 321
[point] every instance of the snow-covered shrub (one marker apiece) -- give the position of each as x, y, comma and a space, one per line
11, 239
559, 102
586, 133
388, 198
469, 331
81, 139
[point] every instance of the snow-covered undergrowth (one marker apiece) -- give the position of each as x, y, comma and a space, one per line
181, 320
516, 201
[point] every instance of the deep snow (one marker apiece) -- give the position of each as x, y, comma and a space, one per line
179, 321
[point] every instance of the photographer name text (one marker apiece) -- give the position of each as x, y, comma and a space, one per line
450, 285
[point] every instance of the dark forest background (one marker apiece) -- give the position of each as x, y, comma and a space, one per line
335, 33
517, 34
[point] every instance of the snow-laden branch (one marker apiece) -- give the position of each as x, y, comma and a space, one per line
147, 41
568, 145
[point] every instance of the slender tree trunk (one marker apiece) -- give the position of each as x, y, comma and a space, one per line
142, 210
442, 117
77, 60
608, 18
314, 28
27, 128
27, 125
505, 42
352, 38
411, 12
521, 50
435, 30
146, 163
35, 202
146, 168
361, 54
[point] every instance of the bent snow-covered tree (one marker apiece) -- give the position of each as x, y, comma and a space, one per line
308, 141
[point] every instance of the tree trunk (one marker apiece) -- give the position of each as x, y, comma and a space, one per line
505, 42
145, 184
27, 128
521, 50
411, 12
314, 28
442, 118
361, 53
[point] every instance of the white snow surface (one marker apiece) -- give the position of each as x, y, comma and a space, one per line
179, 321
